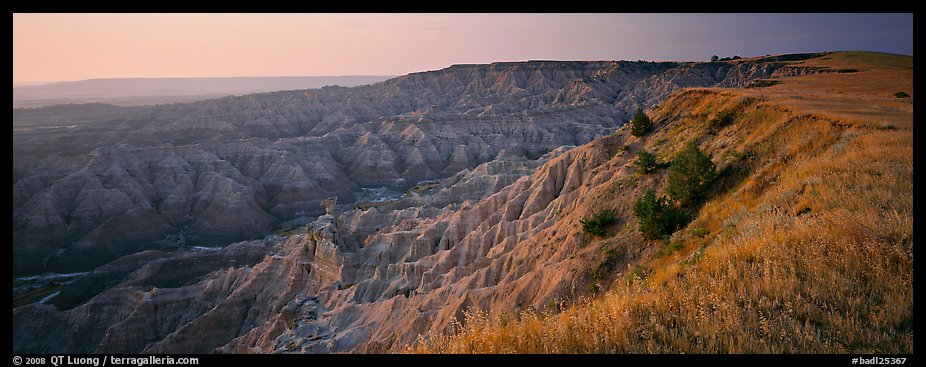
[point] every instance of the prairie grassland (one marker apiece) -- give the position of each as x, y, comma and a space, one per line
805, 244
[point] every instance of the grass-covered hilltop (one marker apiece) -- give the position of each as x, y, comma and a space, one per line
795, 237
748, 205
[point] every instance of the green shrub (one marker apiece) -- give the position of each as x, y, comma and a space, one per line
901, 95
695, 257
668, 247
744, 155
886, 126
700, 232
596, 223
690, 174
723, 118
641, 124
646, 161
639, 273
657, 218
606, 265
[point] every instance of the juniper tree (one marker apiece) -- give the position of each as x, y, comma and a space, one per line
690, 174
657, 217
641, 124
646, 161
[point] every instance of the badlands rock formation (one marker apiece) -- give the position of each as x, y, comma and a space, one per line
333, 287
92, 183
496, 228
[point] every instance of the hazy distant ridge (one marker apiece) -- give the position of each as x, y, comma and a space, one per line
139, 91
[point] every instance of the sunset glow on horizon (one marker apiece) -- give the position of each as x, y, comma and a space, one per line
58, 47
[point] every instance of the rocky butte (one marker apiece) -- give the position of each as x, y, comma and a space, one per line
359, 219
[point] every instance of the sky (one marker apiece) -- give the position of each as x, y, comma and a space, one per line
67, 47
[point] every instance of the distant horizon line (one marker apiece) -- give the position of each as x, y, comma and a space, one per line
41, 83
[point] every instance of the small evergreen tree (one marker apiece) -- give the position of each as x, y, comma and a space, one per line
641, 124
657, 218
722, 119
690, 174
646, 161
714, 58
596, 223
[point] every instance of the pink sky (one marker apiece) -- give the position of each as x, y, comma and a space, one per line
56, 47
50, 47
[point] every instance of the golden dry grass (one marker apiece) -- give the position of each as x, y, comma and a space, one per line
806, 246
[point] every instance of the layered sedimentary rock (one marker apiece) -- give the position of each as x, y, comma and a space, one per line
104, 182
496, 226
332, 287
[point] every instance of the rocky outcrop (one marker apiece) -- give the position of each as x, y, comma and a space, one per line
117, 181
373, 279
125, 306
297, 294
333, 287
495, 226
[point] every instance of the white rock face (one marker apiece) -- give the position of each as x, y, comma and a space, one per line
121, 180
488, 234
366, 280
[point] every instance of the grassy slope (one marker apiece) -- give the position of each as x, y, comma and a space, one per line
805, 245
